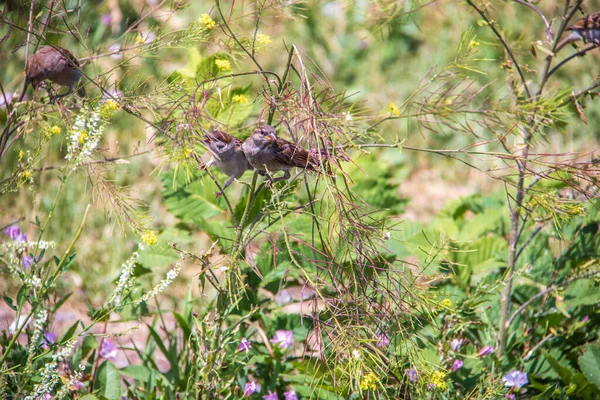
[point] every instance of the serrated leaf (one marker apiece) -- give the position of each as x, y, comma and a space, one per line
589, 363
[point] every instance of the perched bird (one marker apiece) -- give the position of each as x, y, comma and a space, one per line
270, 154
586, 29
57, 65
227, 155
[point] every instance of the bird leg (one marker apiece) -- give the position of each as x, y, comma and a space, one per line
60, 96
229, 182
270, 180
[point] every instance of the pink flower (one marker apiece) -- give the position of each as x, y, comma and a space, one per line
456, 344
49, 338
456, 365
284, 338
108, 350
47, 396
382, 340
271, 396
515, 378
291, 395
251, 387
245, 345
485, 351
510, 396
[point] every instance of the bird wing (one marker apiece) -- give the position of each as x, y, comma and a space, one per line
293, 155
591, 21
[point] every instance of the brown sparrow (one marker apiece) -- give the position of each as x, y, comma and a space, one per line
270, 154
586, 29
227, 155
57, 65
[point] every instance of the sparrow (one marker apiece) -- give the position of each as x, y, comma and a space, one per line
269, 154
586, 29
57, 65
227, 155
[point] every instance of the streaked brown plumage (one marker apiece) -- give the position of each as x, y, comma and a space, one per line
586, 29
57, 65
269, 154
227, 155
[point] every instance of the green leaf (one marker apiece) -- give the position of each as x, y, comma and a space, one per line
89, 343
88, 397
582, 292
162, 254
564, 373
22, 296
8, 300
137, 372
108, 381
589, 363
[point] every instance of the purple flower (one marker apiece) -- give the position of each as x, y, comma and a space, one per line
106, 19
515, 378
245, 345
510, 396
49, 338
271, 396
382, 340
284, 338
456, 365
456, 344
27, 260
47, 396
251, 387
586, 318
15, 234
76, 385
412, 374
485, 351
291, 395
108, 350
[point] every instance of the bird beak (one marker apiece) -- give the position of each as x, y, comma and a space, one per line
272, 137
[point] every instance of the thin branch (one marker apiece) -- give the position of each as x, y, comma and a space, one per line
567, 59
504, 44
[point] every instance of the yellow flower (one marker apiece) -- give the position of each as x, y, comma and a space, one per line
206, 22
369, 382
473, 43
239, 98
263, 39
438, 379
446, 303
150, 238
82, 137
223, 65
108, 109
393, 109
55, 130
26, 175
21, 154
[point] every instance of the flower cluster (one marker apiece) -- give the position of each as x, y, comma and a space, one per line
50, 374
85, 134
369, 382
206, 22
126, 280
393, 109
108, 109
18, 260
149, 238
438, 380
171, 275
223, 65
239, 98
263, 40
